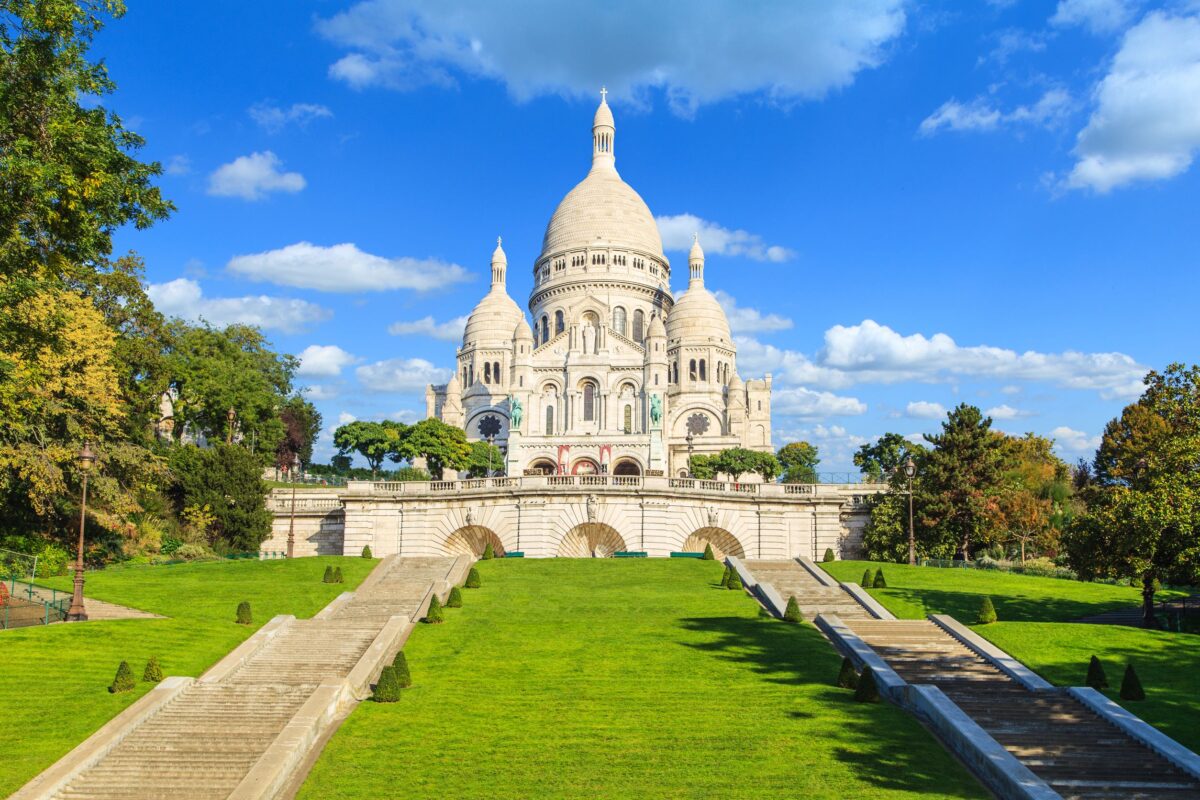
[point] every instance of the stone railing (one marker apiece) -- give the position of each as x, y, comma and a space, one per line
281, 501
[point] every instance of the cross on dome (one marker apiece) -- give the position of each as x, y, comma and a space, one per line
603, 95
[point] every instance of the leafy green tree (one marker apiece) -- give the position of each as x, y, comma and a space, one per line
374, 441
707, 555
227, 479
799, 462
701, 467
880, 459
484, 459
738, 461
442, 446
301, 426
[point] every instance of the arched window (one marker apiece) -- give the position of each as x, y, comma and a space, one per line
629, 419
545, 329
487, 372
558, 323
464, 376
619, 321
549, 421
703, 376
589, 402
639, 322
471, 375
692, 369
496, 372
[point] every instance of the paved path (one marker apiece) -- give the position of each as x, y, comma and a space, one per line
96, 609
202, 743
1080, 755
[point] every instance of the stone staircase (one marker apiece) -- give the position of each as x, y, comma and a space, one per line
791, 579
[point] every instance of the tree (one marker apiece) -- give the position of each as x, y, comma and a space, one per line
227, 479
442, 446
880, 459
484, 459
738, 461
374, 441
701, 467
301, 425
707, 555
799, 462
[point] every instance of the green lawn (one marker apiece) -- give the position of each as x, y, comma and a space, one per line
54, 679
625, 679
1033, 628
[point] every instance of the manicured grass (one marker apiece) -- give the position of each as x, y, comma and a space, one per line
53, 693
625, 679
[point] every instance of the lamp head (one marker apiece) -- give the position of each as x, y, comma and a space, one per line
86, 457
910, 467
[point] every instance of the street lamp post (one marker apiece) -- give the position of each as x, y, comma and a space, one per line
910, 469
689, 439
229, 427
77, 613
490, 440
291, 546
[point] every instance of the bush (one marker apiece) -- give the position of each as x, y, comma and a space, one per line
366, 553
227, 479
735, 581
489, 552
400, 665
987, 612
1131, 687
828, 555
725, 577
434, 615
328, 577
337, 575
387, 690
455, 598
153, 672
847, 675
793, 612
880, 582
123, 681
473, 581
194, 552
866, 691
1095, 675
243, 613
1135, 582
868, 579
708, 553
986, 562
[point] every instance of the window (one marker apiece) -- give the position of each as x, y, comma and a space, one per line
471, 374
692, 369
619, 320
549, 421
760, 405
589, 402
487, 372
558, 323
629, 419
464, 376
639, 322
545, 329
703, 376
496, 372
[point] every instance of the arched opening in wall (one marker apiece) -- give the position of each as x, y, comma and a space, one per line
585, 466
723, 543
487, 372
639, 323
619, 323
549, 431
627, 466
545, 329
470, 540
628, 419
591, 540
558, 323
544, 466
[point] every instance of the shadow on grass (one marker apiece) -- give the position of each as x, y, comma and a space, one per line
883, 745
964, 606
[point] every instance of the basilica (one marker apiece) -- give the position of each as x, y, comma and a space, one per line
615, 375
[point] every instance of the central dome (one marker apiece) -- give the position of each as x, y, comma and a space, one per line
602, 209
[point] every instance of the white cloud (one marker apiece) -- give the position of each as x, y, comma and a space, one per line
253, 177
344, 268
1098, 16
1146, 125
405, 375
980, 115
677, 232
321, 392
1074, 442
184, 298
178, 165
796, 51
801, 402
324, 360
449, 331
1005, 411
273, 119
924, 409
749, 320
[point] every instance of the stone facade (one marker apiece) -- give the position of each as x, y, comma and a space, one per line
616, 375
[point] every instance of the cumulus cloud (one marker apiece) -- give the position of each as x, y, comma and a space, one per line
749, 320
253, 177
1098, 16
449, 331
980, 115
1073, 442
801, 402
404, 375
273, 118
324, 360
924, 409
1146, 124
677, 232
344, 268
835, 445
178, 165
796, 51
1005, 411
319, 392
184, 298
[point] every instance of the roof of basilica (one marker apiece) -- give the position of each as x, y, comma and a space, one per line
495, 318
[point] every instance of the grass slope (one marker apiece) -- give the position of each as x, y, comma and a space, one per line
53, 693
625, 679
1033, 628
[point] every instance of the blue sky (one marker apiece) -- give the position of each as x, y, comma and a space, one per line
905, 206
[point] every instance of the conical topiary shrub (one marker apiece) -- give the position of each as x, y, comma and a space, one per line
735, 581
828, 555
708, 553
1095, 675
328, 576
387, 690
868, 579
153, 672
1131, 687
793, 612
879, 582
366, 551
987, 612
455, 598
866, 691
244, 617
400, 664
489, 552
337, 575
725, 577
123, 681
473, 581
847, 676
434, 615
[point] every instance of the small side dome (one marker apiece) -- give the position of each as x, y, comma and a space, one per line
523, 333
697, 318
656, 330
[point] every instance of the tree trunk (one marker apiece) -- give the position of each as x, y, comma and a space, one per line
1148, 619
1022, 552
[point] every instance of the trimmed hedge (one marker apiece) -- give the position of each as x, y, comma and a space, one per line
123, 680
328, 576
366, 553
489, 552
735, 581
867, 690
337, 575
153, 672
828, 555
987, 612
400, 665
868, 578
387, 690
455, 598
847, 675
880, 582
434, 615
1131, 687
793, 613
708, 553
725, 577
1095, 675
244, 617
473, 581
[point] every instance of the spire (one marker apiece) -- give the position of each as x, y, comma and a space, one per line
499, 265
603, 133
696, 262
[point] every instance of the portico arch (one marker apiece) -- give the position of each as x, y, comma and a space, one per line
627, 466
471, 540
723, 543
591, 540
544, 465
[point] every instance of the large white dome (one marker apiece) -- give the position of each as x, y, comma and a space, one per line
496, 317
602, 209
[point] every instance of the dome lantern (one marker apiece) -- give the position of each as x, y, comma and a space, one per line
604, 131
696, 263
499, 264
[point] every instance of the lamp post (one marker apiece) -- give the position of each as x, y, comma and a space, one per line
689, 439
77, 613
490, 439
291, 544
229, 417
910, 469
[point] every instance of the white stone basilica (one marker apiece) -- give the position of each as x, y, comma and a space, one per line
616, 375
